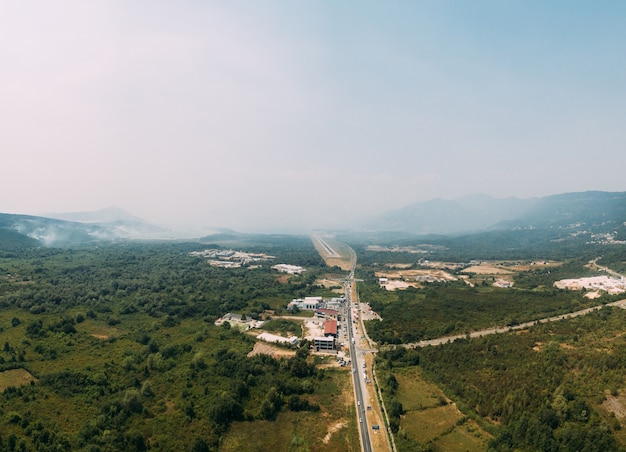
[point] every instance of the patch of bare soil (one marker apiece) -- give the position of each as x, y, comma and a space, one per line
399, 285
169, 406
328, 283
283, 279
616, 405
333, 429
416, 274
15, 378
262, 348
399, 266
103, 337
401, 279
487, 269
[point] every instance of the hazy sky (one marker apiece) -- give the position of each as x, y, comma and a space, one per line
263, 115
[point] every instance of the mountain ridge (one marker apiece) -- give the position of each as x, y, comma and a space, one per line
476, 213
591, 212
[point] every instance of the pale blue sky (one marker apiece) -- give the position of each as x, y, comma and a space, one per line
281, 115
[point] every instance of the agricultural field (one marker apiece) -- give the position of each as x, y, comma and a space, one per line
431, 419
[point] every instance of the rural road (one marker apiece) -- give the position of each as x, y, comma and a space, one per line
505, 329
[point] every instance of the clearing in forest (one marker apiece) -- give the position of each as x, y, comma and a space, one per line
262, 348
15, 378
431, 418
401, 279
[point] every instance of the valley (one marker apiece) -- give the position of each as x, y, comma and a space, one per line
454, 342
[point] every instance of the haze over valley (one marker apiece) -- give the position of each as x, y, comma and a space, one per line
302, 226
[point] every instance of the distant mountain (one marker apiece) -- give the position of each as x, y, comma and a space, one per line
108, 215
19, 231
480, 212
118, 222
593, 209
49, 231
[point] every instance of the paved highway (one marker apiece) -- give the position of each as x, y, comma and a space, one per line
358, 363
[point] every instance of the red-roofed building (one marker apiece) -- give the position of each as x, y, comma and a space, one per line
330, 328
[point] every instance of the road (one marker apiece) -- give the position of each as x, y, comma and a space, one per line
593, 263
358, 353
330, 252
505, 329
358, 363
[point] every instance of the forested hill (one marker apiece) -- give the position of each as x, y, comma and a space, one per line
12, 240
28, 230
480, 212
588, 208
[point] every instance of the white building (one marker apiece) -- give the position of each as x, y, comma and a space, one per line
291, 269
308, 304
335, 303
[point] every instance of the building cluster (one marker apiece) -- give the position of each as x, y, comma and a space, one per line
327, 342
608, 238
239, 321
230, 258
291, 269
607, 284
326, 312
315, 303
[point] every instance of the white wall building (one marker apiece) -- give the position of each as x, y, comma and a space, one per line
291, 269
306, 304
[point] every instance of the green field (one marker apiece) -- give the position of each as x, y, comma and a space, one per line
431, 419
